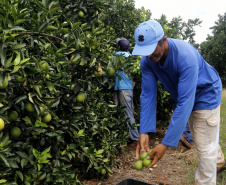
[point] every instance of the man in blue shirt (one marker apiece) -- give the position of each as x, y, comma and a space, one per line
196, 88
124, 89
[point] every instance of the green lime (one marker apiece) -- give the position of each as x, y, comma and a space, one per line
81, 97
146, 162
110, 71
138, 165
143, 155
15, 131
45, 66
20, 79
13, 115
98, 74
29, 107
103, 171
47, 118
2, 124
80, 13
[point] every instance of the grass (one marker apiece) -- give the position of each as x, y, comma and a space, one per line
191, 167
221, 178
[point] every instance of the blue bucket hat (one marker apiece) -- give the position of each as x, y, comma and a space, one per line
147, 35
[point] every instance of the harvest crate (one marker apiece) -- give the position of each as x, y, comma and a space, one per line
129, 181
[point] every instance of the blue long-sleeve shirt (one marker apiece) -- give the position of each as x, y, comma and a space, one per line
192, 83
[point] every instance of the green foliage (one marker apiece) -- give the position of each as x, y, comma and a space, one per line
179, 29
214, 49
55, 52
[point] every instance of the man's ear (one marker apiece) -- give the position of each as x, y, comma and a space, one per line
164, 38
118, 47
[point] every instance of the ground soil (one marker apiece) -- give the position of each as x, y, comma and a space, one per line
173, 169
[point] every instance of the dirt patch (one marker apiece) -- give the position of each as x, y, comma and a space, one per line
172, 169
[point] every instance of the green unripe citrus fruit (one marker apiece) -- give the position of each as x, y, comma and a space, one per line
2, 124
149, 153
80, 13
138, 165
5, 83
80, 97
98, 74
20, 79
110, 71
143, 155
45, 66
15, 131
64, 30
13, 115
47, 118
146, 162
103, 171
29, 107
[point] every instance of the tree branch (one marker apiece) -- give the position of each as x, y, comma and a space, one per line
37, 33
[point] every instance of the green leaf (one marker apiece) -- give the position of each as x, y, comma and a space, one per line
3, 181
4, 159
19, 21
13, 164
18, 46
20, 175
51, 28
105, 160
17, 28
2, 56
100, 151
23, 162
14, 11
39, 167
80, 133
17, 60
47, 45
22, 154
43, 161
24, 60
42, 26
30, 97
36, 153
40, 124
8, 63
20, 98
40, 4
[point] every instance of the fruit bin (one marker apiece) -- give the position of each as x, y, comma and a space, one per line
129, 181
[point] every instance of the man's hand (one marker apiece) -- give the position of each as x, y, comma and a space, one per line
158, 152
142, 144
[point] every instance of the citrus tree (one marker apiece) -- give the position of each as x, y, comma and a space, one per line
213, 50
58, 123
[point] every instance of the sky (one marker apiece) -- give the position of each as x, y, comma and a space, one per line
206, 10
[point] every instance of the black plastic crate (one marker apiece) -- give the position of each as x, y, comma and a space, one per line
129, 181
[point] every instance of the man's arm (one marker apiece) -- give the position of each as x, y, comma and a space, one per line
148, 98
148, 107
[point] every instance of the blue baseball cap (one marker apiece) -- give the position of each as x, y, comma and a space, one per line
147, 35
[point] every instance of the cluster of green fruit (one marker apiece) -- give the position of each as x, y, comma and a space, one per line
110, 72
44, 116
15, 131
143, 162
